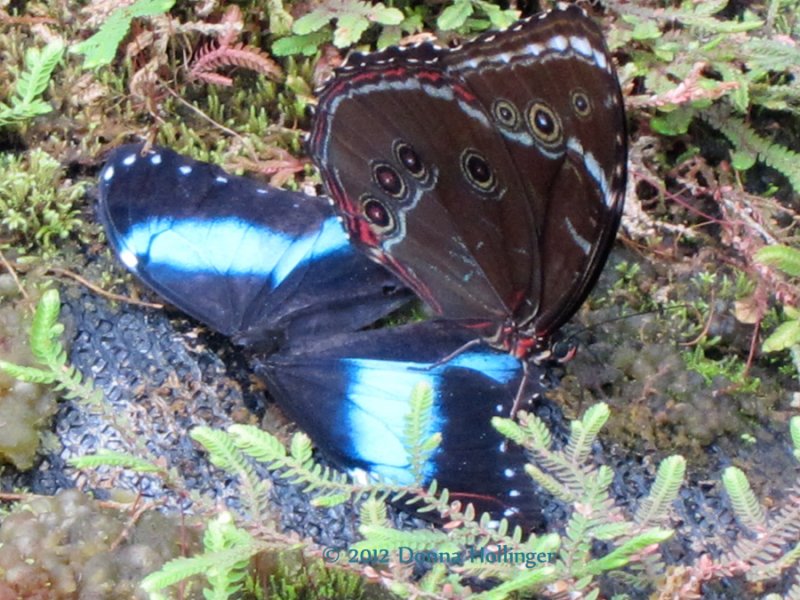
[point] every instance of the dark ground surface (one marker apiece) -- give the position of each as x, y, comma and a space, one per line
162, 376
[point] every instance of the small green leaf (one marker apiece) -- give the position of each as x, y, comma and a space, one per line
418, 442
741, 160
785, 336
454, 16
307, 45
709, 8
787, 259
313, 21
390, 36
595, 417
664, 53
498, 17
45, 328
349, 29
386, 16
675, 122
280, 21
646, 30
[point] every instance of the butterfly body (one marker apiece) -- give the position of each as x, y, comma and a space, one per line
489, 178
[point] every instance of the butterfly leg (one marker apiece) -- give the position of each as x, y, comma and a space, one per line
523, 386
454, 353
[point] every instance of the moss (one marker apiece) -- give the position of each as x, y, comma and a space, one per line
291, 576
69, 546
38, 204
25, 408
666, 396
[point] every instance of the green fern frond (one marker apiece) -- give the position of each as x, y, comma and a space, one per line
373, 513
101, 48
45, 330
234, 546
576, 541
301, 449
330, 485
510, 429
531, 431
550, 483
537, 430
664, 491
39, 66
109, 458
418, 444
776, 97
227, 579
29, 374
330, 500
258, 444
785, 526
768, 54
766, 552
32, 82
597, 484
222, 452
745, 504
621, 556
47, 349
700, 17
584, 432
744, 139
179, 569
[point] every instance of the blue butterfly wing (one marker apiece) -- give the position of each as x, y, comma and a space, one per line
351, 394
251, 261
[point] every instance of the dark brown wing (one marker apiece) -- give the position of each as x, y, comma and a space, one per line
549, 84
426, 184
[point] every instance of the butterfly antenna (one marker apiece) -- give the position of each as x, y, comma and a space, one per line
660, 310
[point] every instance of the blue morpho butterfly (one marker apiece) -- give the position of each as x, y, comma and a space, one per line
273, 270
253, 262
362, 382
490, 178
